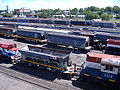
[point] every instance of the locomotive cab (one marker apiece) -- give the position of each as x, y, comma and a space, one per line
102, 66
110, 69
9, 51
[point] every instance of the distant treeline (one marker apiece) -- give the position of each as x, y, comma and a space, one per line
91, 12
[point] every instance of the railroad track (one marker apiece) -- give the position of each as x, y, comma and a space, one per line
49, 85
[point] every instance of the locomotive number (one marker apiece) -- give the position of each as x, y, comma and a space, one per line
108, 76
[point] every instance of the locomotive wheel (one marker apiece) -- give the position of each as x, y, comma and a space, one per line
42, 67
53, 70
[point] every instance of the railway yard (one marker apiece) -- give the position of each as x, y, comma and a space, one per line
19, 77
69, 55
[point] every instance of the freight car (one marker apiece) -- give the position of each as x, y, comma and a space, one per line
102, 37
105, 30
47, 21
48, 58
102, 66
9, 52
103, 24
33, 21
81, 33
30, 35
95, 43
61, 22
79, 42
39, 33
80, 23
7, 31
112, 47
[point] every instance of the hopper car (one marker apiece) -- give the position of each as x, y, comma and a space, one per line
79, 42
48, 58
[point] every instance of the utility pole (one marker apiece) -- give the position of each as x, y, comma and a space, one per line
7, 9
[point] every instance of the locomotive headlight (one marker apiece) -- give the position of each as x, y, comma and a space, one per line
12, 57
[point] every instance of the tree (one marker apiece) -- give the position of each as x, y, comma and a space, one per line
7, 15
117, 17
108, 9
92, 8
101, 11
90, 15
116, 9
106, 17
81, 11
45, 13
74, 11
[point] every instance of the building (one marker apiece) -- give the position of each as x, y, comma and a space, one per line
22, 10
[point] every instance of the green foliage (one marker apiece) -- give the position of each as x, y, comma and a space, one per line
90, 15
46, 13
106, 17
116, 9
7, 15
92, 8
117, 17
91, 12
74, 11
108, 9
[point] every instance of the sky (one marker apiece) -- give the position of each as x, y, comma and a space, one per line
54, 4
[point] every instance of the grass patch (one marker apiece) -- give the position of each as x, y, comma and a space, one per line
116, 20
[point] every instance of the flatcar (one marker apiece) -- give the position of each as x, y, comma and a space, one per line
9, 52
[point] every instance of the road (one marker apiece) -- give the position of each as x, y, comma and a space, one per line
9, 83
